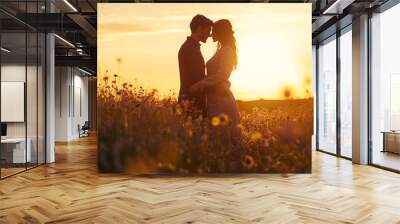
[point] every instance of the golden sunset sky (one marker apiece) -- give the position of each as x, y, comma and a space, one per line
274, 45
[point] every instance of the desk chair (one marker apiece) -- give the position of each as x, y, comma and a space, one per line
84, 130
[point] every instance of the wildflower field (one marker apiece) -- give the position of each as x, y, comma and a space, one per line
142, 132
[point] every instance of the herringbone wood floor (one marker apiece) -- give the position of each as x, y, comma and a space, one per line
71, 191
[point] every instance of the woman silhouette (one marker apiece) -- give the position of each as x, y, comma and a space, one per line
220, 101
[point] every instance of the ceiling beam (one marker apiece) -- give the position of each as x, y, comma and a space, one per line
338, 6
81, 61
83, 23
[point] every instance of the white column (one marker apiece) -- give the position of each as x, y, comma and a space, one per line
360, 90
50, 92
50, 99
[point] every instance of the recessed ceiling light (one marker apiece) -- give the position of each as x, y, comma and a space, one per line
5, 50
338, 6
70, 5
84, 71
64, 40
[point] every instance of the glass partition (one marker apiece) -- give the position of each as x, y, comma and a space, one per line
41, 87
14, 153
31, 98
22, 87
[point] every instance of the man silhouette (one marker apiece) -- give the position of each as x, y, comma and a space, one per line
191, 62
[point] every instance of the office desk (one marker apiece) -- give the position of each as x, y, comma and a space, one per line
13, 150
391, 141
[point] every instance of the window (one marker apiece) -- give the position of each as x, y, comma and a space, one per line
385, 89
346, 92
327, 96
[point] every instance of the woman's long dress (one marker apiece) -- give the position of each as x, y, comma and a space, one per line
220, 100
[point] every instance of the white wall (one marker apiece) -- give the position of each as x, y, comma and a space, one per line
80, 110
12, 73
71, 94
62, 81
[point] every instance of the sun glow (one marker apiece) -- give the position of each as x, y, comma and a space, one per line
274, 45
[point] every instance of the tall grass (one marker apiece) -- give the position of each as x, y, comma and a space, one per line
141, 132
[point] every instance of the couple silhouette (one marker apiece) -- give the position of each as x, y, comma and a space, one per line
206, 85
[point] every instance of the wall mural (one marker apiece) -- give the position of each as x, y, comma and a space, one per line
204, 88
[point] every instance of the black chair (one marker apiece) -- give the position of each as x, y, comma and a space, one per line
84, 130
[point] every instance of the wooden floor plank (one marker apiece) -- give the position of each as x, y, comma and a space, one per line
72, 191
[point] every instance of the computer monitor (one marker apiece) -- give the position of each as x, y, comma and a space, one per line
3, 129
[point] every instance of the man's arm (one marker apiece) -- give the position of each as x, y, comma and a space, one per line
224, 70
185, 72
